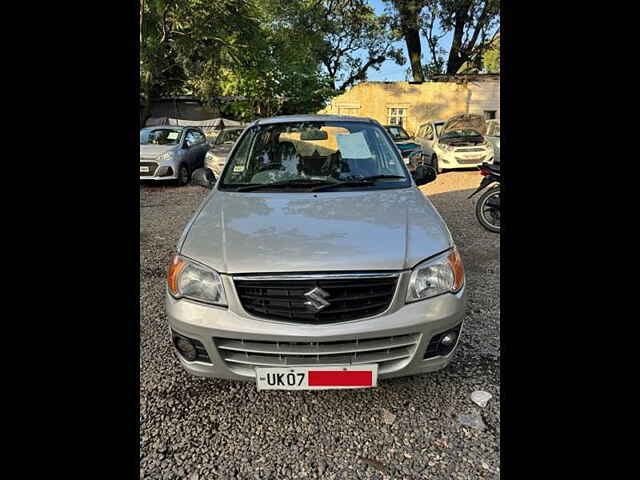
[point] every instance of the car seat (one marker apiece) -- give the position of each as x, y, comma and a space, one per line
288, 157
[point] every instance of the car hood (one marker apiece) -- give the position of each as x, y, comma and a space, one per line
463, 121
152, 151
407, 145
304, 232
221, 150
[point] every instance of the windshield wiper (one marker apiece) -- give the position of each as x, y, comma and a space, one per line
363, 182
380, 177
302, 182
359, 183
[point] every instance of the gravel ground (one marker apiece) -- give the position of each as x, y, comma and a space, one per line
407, 428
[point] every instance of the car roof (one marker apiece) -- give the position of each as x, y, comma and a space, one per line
311, 118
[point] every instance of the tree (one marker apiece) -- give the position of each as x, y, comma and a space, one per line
408, 20
185, 42
269, 55
472, 24
279, 70
346, 36
491, 59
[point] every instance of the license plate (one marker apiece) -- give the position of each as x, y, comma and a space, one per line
144, 169
317, 378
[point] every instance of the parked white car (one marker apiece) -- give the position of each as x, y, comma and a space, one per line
493, 135
456, 143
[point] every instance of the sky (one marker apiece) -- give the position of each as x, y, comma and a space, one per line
391, 71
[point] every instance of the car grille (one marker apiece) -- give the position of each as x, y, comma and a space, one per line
349, 298
387, 352
465, 161
471, 149
152, 168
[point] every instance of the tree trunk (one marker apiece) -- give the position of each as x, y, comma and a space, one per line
409, 11
141, 19
146, 111
412, 37
456, 54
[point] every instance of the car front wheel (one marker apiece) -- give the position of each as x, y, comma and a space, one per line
183, 175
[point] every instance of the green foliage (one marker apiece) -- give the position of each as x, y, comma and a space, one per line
491, 59
346, 37
291, 56
275, 55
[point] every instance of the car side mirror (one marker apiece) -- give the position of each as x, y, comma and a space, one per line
424, 174
203, 177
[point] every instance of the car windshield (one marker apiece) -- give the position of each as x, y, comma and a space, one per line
493, 129
398, 133
461, 133
229, 137
160, 136
314, 155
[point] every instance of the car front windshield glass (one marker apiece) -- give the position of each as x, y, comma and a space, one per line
461, 133
280, 156
398, 133
229, 137
493, 129
160, 136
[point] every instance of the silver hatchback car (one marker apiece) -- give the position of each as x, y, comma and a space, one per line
315, 262
171, 152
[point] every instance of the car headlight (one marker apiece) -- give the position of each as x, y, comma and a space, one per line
164, 157
187, 279
435, 276
445, 147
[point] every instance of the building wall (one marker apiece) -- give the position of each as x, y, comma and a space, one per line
485, 96
426, 101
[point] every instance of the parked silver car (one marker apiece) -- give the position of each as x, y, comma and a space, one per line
171, 152
315, 262
220, 148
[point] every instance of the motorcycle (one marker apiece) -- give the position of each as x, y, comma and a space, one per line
488, 205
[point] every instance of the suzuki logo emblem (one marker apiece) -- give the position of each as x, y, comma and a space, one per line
316, 299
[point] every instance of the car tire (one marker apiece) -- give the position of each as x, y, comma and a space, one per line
184, 175
434, 164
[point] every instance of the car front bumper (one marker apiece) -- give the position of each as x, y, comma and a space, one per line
159, 172
463, 160
211, 325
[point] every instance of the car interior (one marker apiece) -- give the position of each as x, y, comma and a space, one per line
307, 153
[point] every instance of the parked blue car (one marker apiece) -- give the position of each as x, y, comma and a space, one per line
411, 151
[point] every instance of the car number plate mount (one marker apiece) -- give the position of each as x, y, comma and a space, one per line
317, 378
